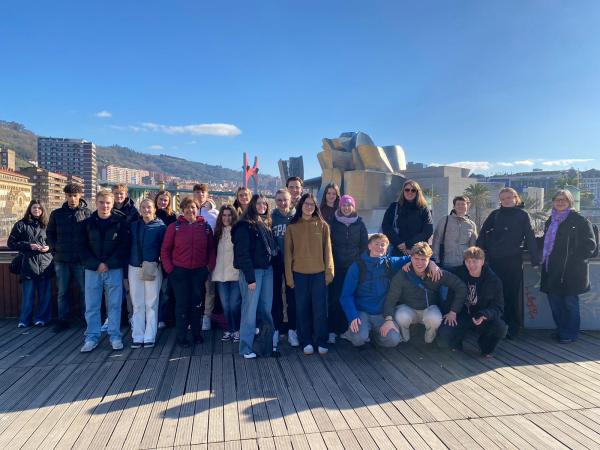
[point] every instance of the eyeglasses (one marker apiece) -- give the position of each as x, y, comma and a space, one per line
413, 190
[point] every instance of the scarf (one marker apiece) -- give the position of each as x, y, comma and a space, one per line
557, 218
345, 219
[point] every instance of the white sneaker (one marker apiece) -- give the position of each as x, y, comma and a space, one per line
236, 336
104, 327
309, 350
205, 323
88, 346
257, 331
117, 344
293, 338
251, 355
323, 351
275, 338
430, 335
346, 335
227, 336
331, 339
161, 325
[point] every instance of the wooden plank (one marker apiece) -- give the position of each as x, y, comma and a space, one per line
429, 436
230, 409
365, 439
170, 415
475, 433
259, 408
399, 441
508, 433
201, 408
216, 432
413, 437
452, 435
531, 433
348, 439
244, 403
332, 441
381, 438
185, 425
278, 424
566, 430
283, 443
249, 444
316, 441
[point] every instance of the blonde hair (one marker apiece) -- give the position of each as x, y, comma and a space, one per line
120, 187
422, 249
283, 191
378, 236
513, 192
474, 253
105, 193
148, 200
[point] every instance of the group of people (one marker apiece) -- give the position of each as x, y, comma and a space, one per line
307, 270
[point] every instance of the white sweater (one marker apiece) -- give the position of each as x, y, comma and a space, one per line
224, 270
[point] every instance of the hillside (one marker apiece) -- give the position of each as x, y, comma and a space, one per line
24, 142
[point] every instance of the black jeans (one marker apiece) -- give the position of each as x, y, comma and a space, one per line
510, 272
189, 289
311, 301
338, 323
277, 308
490, 332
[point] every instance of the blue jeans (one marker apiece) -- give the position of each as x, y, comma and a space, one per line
565, 312
65, 272
255, 303
311, 308
229, 292
96, 283
43, 287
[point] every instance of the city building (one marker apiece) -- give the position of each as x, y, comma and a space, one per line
7, 158
115, 174
70, 157
15, 195
293, 167
589, 181
47, 186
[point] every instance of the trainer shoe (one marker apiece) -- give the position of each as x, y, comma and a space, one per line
21, 325
293, 338
206, 323
308, 350
227, 336
88, 346
323, 350
39, 323
161, 325
331, 339
137, 345
148, 344
236, 336
116, 344
275, 338
250, 355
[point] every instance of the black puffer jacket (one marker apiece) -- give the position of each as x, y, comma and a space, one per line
490, 299
63, 227
504, 232
128, 208
347, 242
166, 218
109, 246
567, 271
408, 224
249, 249
35, 263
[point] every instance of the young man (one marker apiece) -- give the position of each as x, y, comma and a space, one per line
280, 219
414, 297
104, 250
483, 308
295, 185
124, 204
209, 213
62, 233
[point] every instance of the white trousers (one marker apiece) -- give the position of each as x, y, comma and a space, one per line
144, 298
431, 317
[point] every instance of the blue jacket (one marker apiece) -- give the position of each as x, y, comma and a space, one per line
149, 238
369, 295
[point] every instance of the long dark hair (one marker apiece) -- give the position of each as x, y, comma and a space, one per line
336, 188
298, 214
251, 214
28, 217
219, 226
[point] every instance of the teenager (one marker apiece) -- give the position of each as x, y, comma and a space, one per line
242, 200
145, 274
164, 212
309, 269
330, 201
225, 276
295, 185
62, 232
28, 237
254, 247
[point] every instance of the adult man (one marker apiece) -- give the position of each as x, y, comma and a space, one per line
62, 233
104, 251
414, 297
295, 186
209, 212
483, 308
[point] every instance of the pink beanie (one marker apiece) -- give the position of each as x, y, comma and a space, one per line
347, 199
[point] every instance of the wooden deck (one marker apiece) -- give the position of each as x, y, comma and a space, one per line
534, 394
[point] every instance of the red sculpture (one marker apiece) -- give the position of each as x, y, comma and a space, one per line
250, 172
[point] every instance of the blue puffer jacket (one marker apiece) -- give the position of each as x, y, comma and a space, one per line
369, 295
148, 237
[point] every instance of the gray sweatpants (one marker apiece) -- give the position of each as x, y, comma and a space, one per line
369, 327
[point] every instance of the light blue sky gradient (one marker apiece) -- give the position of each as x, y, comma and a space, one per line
490, 82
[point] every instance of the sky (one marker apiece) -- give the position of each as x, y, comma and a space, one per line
499, 86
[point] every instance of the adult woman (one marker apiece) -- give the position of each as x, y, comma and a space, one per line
453, 234
28, 236
188, 253
308, 269
225, 275
348, 240
330, 201
502, 235
253, 248
145, 274
568, 244
408, 220
162, 204
242, 199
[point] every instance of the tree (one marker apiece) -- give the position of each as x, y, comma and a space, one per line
479, 195
536, 212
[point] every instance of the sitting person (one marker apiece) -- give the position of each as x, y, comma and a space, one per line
363, 293
414, 297
483, 307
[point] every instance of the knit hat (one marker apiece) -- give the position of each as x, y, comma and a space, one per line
347, 199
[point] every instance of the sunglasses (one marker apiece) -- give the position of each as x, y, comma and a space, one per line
413, 190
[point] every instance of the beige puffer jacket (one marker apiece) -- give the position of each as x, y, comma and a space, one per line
224, 270
461, 234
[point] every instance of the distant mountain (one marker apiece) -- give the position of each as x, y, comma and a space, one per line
24, 142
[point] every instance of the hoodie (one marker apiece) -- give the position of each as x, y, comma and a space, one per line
279, 223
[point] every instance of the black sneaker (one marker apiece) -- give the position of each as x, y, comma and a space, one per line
198, 339
183, 344
148, 344
61, 326
137, 345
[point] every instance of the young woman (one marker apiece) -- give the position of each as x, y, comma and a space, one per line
145, 274
502, 235
454, 234
349, 239
242, 199
309, 269
253, 248
162, 204
225, 275
408, 220
166, 312
28, 236
188, 253
568, 244
330, 202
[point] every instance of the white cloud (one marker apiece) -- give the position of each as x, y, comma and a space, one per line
156, 147
104, 114
565, 162
505, 164
212, 129
524, 162
473, 165
191, 142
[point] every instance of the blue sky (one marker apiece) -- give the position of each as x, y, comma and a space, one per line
505, 85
